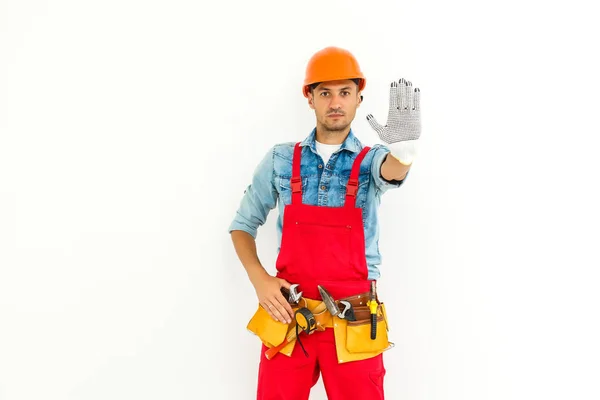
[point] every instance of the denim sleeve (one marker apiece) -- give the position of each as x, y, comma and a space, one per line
260, 197
382, 184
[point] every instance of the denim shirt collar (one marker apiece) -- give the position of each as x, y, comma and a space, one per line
351, 143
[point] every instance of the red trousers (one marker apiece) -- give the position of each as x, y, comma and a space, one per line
291, 378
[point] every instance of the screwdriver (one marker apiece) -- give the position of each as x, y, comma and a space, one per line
372, 303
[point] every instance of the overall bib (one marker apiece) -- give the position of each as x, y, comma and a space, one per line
322, 246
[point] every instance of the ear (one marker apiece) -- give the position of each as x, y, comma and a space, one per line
311, 103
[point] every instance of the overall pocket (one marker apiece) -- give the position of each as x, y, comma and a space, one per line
358, 333
332, 248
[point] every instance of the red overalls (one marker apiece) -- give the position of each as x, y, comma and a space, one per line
322, 246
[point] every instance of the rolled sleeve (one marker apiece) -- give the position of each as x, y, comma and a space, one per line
382, 184
260, 197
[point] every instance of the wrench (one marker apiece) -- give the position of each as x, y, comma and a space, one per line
348, 313
292, 295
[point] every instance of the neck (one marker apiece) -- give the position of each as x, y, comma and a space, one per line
331, 137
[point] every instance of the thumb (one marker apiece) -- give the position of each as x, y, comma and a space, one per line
284, 283
374, 124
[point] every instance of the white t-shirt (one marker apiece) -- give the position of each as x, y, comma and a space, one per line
326, 150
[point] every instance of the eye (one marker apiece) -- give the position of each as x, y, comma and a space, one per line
345, 91
324, 93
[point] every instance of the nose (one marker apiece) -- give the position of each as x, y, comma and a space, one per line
335, 102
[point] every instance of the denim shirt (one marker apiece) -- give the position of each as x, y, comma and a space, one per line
322, 185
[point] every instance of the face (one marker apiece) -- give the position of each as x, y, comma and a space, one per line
335, 104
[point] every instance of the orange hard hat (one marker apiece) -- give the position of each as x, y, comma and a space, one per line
331, 64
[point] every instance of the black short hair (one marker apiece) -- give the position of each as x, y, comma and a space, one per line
314, 85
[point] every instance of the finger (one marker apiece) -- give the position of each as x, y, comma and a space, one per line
399, 91
274, 312
268, 308
285, 308
279, 310
402, 94
374, 124
410, 96
284, 283
417, 99
394, 95
289, 309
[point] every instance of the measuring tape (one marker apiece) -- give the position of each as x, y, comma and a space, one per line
305, 320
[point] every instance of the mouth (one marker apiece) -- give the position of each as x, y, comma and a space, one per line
335, 115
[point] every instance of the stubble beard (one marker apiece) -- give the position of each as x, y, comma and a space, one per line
334, 128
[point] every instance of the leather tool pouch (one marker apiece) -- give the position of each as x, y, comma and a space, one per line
353, 338
358, 333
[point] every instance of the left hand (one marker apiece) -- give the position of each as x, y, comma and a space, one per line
403, 127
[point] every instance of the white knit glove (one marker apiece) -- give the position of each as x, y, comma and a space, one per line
403, 127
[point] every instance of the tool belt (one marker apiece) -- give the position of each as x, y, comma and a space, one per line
352, 338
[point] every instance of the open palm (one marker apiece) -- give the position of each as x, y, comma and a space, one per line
404, 115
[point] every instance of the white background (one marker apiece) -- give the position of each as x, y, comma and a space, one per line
130, 129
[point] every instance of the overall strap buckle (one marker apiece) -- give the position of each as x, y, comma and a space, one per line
352, 187
296, 184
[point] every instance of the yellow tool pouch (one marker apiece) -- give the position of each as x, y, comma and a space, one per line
270, 332
358, 333
353, 338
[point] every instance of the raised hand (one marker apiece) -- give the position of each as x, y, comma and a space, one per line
403, 125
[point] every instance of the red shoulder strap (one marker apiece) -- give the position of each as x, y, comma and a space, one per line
352, 186
296, 179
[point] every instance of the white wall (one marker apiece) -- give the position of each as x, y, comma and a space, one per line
129, 130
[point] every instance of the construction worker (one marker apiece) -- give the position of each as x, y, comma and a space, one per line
328, 188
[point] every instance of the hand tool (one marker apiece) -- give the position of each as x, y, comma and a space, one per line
348, 312
273, 351
327, 299
327, 304
291, 294
333, 308
372, 303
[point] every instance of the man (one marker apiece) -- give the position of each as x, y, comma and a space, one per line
328, 189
